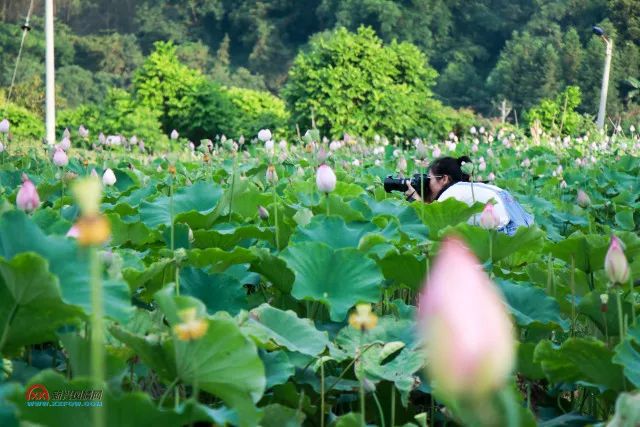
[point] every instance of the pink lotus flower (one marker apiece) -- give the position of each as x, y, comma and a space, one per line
436, 152
325, 179
615, 263
4, 126
491, 177
468, 334
65, 144
264, 135
83, 132
27, 199
583, 199
489, 219
263, 213
402, 164
60, 158
174, 134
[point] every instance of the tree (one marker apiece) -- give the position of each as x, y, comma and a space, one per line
352, 82
163, 84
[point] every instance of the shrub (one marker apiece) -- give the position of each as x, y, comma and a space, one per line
259, 110
559, 116
353, 83
24, 123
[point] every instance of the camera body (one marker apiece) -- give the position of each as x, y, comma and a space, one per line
418, 182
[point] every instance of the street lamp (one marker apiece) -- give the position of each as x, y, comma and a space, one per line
50, 75
598, 31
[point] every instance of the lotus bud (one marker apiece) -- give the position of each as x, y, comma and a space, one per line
325, 179
473, 130
282, 144
272, 175
436, 152
489, 219
615, 263
264, 135
268, 146
482, 167
526, 163
27, 198
108, 178
583, 199
322, 155
73, 232
241, 140
481, 130
468, 334
192, 146
263, 213
1, 147
60, 158
83, 132
65, 144
491, 177
334, 145
94, 173
402, 164
174, 135
563, 184
474, 148
632, 128
102, 139
356, 162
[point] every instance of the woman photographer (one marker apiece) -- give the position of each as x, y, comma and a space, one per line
448, 180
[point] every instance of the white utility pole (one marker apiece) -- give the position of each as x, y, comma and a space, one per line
50, 74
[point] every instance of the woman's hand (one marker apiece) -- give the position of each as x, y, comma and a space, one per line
411, 193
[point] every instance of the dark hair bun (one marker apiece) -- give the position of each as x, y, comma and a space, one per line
463, 159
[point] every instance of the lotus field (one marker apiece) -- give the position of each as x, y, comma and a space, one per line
273, 282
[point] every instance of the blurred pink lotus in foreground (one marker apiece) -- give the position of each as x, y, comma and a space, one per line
468, 334
615, 263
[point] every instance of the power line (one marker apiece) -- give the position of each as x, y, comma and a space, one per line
25, 30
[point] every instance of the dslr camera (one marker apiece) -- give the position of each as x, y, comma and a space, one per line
418, 181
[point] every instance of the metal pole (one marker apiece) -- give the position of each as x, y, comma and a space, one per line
605, 84
50, 74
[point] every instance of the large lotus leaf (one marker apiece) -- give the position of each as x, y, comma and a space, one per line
580, 360
124, 410
50, 222
8, 411
337, 206
201, 198
587, 252
222, 362
628, 354
133, 232
404, 270
439, 215
66, 261
388, 329
218, 291
276, 415
526, 239
337, 278
530, 305
268, 324
591, 306
31, 307
336, 233
407, 219
246, 200
158, 354
273, 269
227, 236
218, 260
526, 364
278, 368
152, 277
624, 218
399, 369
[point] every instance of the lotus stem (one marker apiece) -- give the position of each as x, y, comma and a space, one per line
633, 301
620, 314
275, 211
321, 392
97, 329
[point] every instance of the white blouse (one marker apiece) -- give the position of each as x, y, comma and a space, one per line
481, 193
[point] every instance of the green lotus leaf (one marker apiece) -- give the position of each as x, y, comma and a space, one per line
530, 305
218, 291
132, 409
200, 198
227, 236
222, 362
580, 360
31, 307
405, 270
628, 354
269, 324
439, 215
67, 262
276, 415
277, 367
336, 233
337, 278
591, 306
587, 252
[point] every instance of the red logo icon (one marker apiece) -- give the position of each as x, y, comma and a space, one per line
37, 392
